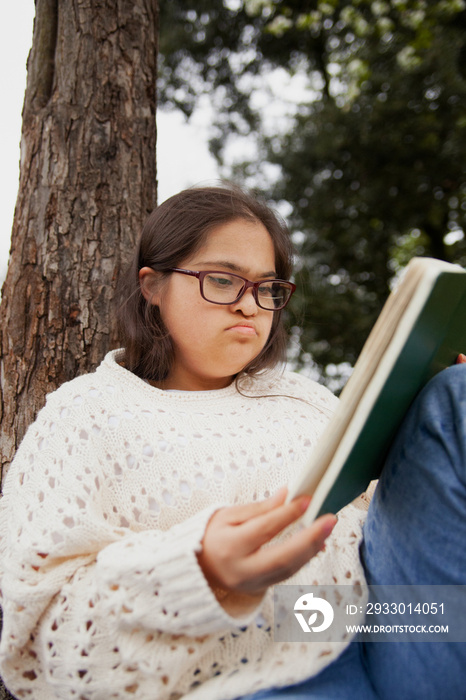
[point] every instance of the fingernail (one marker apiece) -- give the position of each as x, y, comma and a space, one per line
329, 525
305, 503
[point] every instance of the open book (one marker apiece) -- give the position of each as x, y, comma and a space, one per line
421, 330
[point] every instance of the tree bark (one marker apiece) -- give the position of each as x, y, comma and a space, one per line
87, 182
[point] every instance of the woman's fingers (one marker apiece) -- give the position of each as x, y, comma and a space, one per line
233, 556
273, 564
239, 514
461, 359
265, 526
227, 542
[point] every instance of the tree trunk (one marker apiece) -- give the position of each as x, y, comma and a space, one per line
87, 182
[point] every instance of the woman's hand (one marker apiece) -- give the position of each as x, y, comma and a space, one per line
461, 359
233, 556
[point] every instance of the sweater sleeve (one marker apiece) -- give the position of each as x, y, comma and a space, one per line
79, 593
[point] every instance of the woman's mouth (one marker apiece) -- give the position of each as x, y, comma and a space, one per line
244, 329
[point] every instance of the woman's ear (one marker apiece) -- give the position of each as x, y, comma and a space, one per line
149, 281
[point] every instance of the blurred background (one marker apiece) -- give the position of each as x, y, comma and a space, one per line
349, 117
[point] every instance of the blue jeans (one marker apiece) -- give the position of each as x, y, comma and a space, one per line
415, 533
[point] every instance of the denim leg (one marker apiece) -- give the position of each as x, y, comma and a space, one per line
344, 679
415, 533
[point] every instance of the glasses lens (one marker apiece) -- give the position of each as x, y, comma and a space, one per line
273, 295
222, 288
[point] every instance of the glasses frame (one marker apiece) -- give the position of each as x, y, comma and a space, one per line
247, 285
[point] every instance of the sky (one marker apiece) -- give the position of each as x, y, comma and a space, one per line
183, 158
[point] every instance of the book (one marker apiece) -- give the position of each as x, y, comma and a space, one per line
420, 331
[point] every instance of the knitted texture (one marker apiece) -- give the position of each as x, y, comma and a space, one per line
104, 510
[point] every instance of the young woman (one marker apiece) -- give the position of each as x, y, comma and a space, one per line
144, 518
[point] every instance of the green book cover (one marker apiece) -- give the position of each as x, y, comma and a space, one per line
428, 321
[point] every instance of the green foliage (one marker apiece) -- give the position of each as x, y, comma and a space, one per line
372, 166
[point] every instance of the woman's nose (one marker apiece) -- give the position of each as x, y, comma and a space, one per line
247, 303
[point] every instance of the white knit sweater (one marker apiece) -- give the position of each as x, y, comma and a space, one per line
103, 512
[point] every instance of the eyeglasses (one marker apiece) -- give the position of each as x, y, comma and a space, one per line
227, 288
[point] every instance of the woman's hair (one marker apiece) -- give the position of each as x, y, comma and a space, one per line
172, 233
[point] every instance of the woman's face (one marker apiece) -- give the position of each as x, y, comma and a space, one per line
213, 342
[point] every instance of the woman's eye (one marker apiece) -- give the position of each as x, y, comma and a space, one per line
266, 290
220, 281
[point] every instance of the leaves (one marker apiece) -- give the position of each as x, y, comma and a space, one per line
369, 161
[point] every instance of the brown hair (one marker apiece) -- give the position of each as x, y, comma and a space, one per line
173, 232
